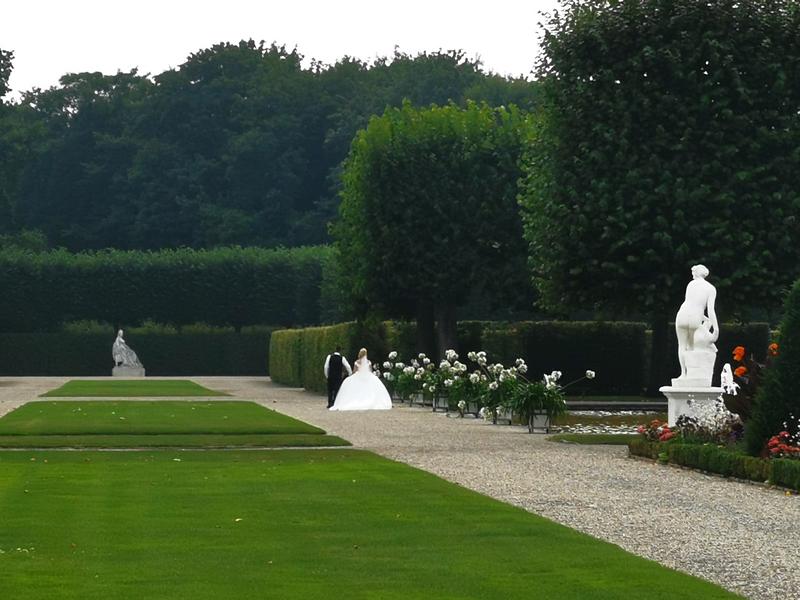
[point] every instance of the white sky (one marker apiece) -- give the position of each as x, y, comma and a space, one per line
53, 37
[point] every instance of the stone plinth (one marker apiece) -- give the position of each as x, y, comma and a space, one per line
684, 400
122, 371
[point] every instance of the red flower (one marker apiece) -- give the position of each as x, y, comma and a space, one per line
773, 349
666, 436
740, 371
738, 353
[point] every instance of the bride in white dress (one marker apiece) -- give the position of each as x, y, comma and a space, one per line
362, 390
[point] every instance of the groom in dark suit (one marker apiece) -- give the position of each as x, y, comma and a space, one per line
335, 366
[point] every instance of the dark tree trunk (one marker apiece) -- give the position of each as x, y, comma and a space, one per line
426, 333
445, 314
658, 375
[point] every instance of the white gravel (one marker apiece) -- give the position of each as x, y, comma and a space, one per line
741, 536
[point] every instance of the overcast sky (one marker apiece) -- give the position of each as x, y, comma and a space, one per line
52, 37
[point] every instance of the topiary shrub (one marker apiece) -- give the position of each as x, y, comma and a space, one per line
778, 397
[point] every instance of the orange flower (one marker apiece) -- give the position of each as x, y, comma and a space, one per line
738, 353
773, 349
740, 371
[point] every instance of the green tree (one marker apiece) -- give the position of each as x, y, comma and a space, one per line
670, 136
429, 213
777, 400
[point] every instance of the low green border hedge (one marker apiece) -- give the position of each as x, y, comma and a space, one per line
728, 463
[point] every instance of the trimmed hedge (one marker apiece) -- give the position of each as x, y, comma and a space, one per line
614, 350
226, 286
297, 356
714, 459
162, 353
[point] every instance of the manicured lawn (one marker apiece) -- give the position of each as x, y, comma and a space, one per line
125, 388
614, 439
289, 524
82, 417
172, 440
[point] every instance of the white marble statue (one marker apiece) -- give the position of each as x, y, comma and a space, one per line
697, 327
126, 362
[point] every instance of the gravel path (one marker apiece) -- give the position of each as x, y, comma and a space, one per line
743, 537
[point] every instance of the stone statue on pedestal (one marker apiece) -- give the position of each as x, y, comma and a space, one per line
126, 363
697, 329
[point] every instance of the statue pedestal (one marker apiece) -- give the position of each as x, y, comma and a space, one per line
122, 371
682, 400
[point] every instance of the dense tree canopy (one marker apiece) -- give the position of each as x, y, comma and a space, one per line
241, 144
670, 136
429, 212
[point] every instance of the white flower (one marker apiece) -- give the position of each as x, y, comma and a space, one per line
475, 378
425, 360
432, 388
392, 355
551, 385
482, 361
493, 385
462, 404
555, 375
421, 356
451, 355
448, 382
472, 356
590, 374
409, 370
377, 372
414, 362
420, 371
387, 365
424, 386
388, 376
519, 362
503, 376
399, 365
417, 377
523, 368
444, 364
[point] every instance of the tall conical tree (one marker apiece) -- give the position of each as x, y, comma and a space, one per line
778, 398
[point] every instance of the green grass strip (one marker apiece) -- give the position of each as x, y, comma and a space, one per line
611, 439
88, 417
125, 388
172, 441
292, 525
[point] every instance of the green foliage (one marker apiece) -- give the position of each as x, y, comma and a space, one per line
614, 350
341, 520
777, 397
77, 353
720, 460
429, 209
297, 356
240, 144
227, 286
609, 439
669, 137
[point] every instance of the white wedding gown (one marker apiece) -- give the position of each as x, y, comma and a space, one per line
362, 390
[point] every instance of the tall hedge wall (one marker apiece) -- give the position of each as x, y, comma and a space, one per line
227, 286
89, 353
616, 351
